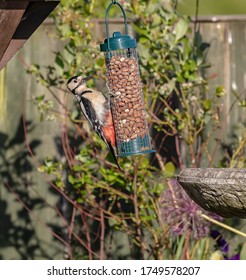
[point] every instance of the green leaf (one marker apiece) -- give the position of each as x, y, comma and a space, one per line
141, 32
181, 125
205, 65
77, 168
207, 104
80, 200
100, 62
220, 91
74, 115
181, 28
112, 222
143, 40
59, 61
201, 249
151, 8
68, 56
71, 179
198, 39
171, 85
169, 169
242, 103
180, 247
39, 98
207, 119
143, 51
204, 46
64, 29
59, 183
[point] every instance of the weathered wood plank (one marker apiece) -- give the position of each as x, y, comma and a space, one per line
11, 13
35, 14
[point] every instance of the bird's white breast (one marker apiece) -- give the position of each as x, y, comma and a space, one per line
97, 100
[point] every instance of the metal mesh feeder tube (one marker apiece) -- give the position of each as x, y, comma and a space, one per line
126, 97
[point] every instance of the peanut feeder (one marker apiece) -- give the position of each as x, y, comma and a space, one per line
126, 98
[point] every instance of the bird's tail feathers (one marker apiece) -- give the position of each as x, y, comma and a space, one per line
112, 150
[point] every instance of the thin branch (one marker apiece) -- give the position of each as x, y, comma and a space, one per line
135, 201
196, 16
223, 225
177, 142
217, 143
186, 253
173, 194
160, 161
239, 149
88, 237
102, 235
70, 233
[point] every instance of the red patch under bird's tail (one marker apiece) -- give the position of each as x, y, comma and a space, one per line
109, 134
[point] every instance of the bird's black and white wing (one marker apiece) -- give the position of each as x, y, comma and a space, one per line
94, 109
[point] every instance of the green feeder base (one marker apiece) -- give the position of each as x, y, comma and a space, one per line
140, 145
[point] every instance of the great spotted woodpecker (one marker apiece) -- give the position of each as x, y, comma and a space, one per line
96, 108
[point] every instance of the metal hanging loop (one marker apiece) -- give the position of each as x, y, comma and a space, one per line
114, 2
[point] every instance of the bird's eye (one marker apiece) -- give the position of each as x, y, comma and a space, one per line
75, 81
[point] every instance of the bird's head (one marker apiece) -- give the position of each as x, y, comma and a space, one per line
77, 83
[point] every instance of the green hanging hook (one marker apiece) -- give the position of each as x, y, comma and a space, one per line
114, 2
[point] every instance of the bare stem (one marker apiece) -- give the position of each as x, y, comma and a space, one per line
135, 201
70, 233
88, 237
181, 164
186, 253
223, 225
102, 235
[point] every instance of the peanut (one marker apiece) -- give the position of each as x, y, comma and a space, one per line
126, 102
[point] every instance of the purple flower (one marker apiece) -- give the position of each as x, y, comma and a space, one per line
235, 257
183, 214
220, 242
223, 246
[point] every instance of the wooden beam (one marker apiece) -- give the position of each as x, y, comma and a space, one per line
36, 12
11, 13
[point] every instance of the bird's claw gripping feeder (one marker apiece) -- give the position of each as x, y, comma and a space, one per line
126, 98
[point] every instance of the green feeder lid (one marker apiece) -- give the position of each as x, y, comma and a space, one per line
118, 42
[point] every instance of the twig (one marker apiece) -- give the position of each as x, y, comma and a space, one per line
102, 235
160, 161
71, 231
196, 16
186, 253
65, 142
240, 148
223, 225
88, 237
181, 164
216, 144
135, 201
175, 202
